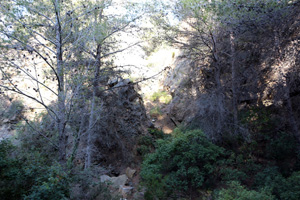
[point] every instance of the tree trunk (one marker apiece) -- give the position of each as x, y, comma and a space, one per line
219, 92
89, 147
291, 116
286, 77
61, 114
234, 83
220, 102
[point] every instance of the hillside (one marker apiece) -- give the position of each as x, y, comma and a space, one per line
186, 99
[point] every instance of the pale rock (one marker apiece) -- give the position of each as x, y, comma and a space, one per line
113, 82
125, 191
104, 178
130, 172
119, 181
138, 195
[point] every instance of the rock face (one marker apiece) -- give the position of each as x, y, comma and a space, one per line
183, 105
118, 184
207, 91
104, 178
125, 191
122, 118
114, 182
119, 181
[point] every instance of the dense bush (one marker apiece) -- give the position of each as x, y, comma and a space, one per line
161, 96
290, 188
38, 132
85, 186
157, 134
11, 186
281, 147
27, 176
146, 142
183, 163
238, 192
11, 111
284, 188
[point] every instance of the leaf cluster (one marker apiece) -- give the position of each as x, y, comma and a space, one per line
180, 164
28, 176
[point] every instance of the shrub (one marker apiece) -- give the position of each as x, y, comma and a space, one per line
238, 192
143, 150
27, 176
38, 132
290, 187
284, 188
283, 146
11, 111
238, 167
145, 140
10, 176
269, 177
162, 96
85, 186
185, 162
155, 112
157, 134
49, 183
231, 174
146, 143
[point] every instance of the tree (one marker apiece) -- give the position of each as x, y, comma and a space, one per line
100, 45
216, 37
38, 29
76, 42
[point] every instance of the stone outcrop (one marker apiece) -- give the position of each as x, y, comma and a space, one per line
130, 172
122, 118
120, 185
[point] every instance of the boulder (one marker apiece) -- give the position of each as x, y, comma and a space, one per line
104, 178
130, 172
118, 181
125, 191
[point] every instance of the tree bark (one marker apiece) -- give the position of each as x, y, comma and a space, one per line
61, 116
291, 116
234, 83
219, 90
88, 160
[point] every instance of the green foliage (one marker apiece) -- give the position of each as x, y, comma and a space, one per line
184, 162
10, 185
38, 132
238, 192
290, 188
155, 111
231, 174
157, 134
284, 188
238, 167
162, 97
146, 143
259, 119
143, 150
281, 147
28, 176
267, 142
15, 109
85, 187
270, 177
10, 111
49, 183
145, 140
